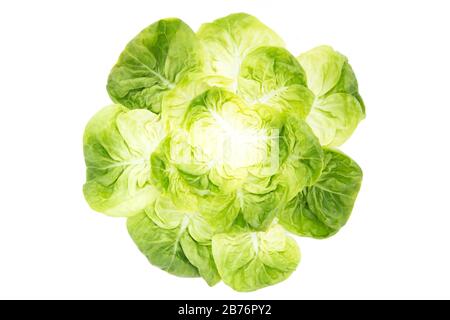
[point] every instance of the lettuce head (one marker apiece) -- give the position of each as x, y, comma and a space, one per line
219, 143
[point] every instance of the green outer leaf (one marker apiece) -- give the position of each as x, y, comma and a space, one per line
170, 236
323, 68
219, 210
272, 76
321, 210
334, 118
201, 257
117, 148
302, 157
153, 63
171, 212
228, 40
259, 209
248, 261
162, 247
348, 84
338, 107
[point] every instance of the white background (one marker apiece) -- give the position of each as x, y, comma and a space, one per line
54, 60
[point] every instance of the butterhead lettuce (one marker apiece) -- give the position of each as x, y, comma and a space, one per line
219, 143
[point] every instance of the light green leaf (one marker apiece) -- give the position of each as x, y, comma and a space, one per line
259, 209
186, 239
334, 118
153, 63
319, 211
227, 41
338, 107
118, 144
272, 76
162, 247
176, 102
301, 157
219, 210
200, 255
171, 212
323, 68
248, 261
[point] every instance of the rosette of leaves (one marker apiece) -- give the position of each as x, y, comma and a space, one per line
219, 143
